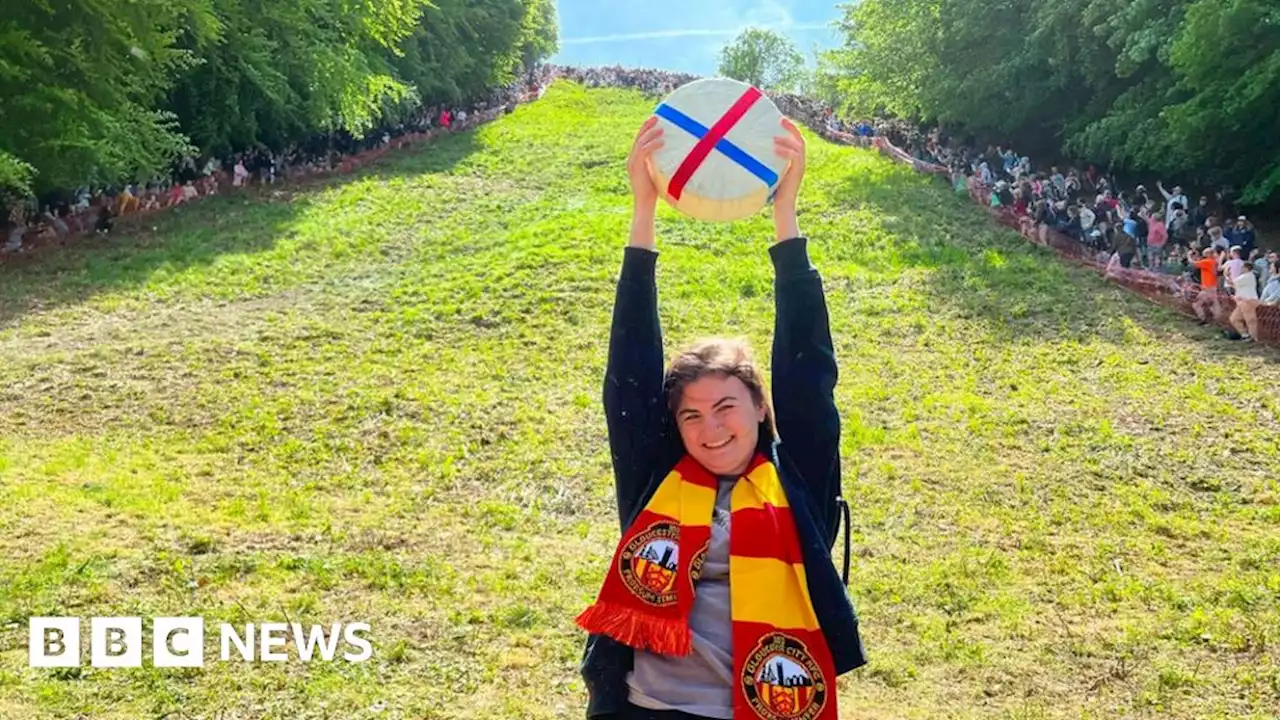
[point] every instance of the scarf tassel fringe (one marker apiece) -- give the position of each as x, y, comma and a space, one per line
637, 630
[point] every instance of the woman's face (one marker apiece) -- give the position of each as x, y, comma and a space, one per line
719, 423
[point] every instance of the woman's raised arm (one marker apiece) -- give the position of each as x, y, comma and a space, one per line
804, 361
634, 411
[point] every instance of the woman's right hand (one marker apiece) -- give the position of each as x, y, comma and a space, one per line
648, 140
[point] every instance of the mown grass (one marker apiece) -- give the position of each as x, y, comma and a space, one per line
378, 399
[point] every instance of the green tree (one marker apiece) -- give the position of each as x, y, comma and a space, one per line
81, 82
271, 71
1185, 87
107, 92
540, 36
763, 58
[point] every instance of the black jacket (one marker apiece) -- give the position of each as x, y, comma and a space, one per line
645, 443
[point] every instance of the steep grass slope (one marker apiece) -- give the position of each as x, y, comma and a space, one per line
378, 399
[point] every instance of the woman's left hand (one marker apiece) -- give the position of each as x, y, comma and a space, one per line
791, 147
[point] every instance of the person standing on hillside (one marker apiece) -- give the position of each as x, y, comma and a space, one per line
1125, 246
1170, 198
1207, 264
1231, 268
721, 600
1245, 317
1157, 235
1242, 234
1200, 213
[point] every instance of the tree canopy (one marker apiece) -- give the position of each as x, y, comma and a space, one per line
1186, 88
110, 92
763, 58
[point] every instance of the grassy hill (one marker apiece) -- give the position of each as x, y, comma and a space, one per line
378, 398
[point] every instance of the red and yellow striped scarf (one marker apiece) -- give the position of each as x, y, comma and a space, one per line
781, 660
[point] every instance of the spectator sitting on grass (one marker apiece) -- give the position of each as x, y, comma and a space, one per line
1070, 223
238, 174
105, 219
1006, 194
59, 227
1271, 292
1101, 236
1088, 218
127, 202
1261, 267
984, 173
151, 198
14, 231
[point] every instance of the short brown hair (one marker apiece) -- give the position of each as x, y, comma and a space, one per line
725, 358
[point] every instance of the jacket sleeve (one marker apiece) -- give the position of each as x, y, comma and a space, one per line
633, 406
804, 379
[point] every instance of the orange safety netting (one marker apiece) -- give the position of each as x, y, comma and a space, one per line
1168, 290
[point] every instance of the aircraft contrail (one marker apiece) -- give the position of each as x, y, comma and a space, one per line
691, 32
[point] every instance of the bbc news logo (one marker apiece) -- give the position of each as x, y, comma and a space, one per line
178, 642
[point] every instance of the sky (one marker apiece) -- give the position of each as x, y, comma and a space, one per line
683, 35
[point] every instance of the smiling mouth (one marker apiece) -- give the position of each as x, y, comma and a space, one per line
718, 445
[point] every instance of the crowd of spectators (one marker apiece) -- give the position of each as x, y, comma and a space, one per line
659, 83
1194, 249
65, 213
1198, 251
650, 82
1202, 251
61, 214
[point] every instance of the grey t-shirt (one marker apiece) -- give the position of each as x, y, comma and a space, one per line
700, 683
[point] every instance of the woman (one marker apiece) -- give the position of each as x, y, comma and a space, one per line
1271, 291
721, 600
1245, 317
1157, 235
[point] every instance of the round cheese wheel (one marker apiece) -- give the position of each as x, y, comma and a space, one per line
717, 162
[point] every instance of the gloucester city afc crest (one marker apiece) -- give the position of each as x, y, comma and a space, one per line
649, 563
782, 681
